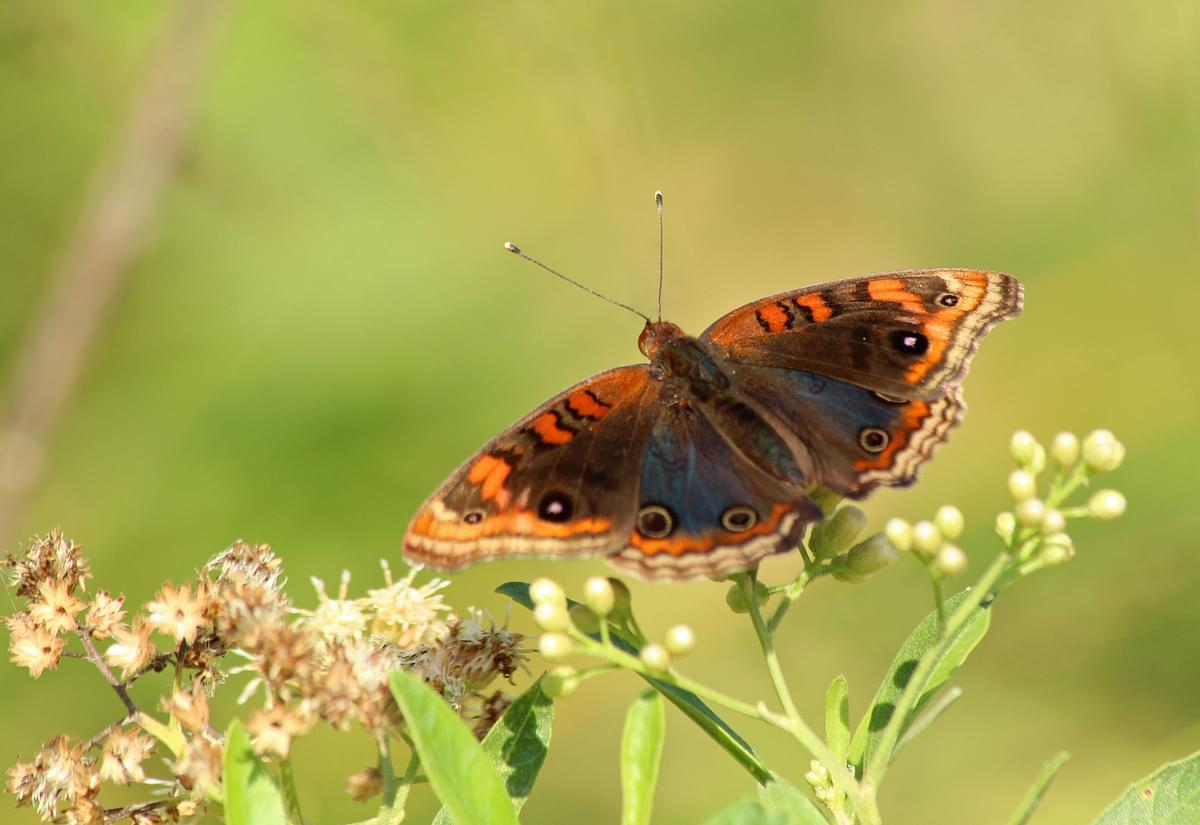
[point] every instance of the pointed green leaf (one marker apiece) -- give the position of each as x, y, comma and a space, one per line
517, 745
1034, 797
779, 804
690, 704
922, 639
837, 717
793, 803
747, 811
460, 773
1170, 796
641, 751
251, 795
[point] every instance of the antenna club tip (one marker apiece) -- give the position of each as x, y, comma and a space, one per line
512, 247
658, 198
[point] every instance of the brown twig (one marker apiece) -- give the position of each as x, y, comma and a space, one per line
116, 684
106, 239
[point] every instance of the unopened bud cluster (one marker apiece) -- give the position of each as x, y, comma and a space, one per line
932, 542
1037, 520
836, 538
570, 628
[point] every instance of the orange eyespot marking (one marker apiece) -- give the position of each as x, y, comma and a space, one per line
706, 542
892, 291
585, 404
772, 317
914, 413
549, 430
512, 523
815, 304
939, 328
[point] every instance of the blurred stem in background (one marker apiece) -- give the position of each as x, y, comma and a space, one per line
99, 252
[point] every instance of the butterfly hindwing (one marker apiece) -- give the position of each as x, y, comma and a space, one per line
905, 335
703, 510
553, 484
855, 439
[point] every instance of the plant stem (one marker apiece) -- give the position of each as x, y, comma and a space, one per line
795, 724
939, 599
291, 797
916, 685
116, 684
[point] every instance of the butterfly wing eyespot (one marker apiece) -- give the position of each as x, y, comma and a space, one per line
873, 439
655, 521
739, 518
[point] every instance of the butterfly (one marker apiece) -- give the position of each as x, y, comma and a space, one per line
696, 464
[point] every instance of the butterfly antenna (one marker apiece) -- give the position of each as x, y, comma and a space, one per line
516, 250
658, 201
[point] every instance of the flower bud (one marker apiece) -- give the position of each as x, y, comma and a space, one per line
1031, 511
546, 591
599, 595
1022, 447
1053, 522
1102, 452
870, 556
680, 640
560, 682
926, 537
622, 609
1065, 449
655, 657
1106, 504
584, 619
835, 534
555, 647
1056, 549
551, 617
950, 560
1006, 525
899, 533
1022, 485
735, 598
1037, 462
949, 520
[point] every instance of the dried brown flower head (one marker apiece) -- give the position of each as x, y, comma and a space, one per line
32, 646
177, 613
131, 649
50, 558
199, 768
122, 755
55, 608
104, 614
271, 730
364, 784
190, 707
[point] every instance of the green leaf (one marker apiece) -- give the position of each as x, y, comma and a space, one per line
460, 773
517, 744
922, 639
251, 795
784, 798
690, 704
837, 717
641, 751
1034, 796
1171, 796
779, 804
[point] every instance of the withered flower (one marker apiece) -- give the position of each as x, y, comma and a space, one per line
122, 755
104, 614
199, 768
32, 646
364, 784
131, 649
55, 608
190, 707
271, 730
177, 613
52, 558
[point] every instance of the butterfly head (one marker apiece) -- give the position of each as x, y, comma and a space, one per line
655, 335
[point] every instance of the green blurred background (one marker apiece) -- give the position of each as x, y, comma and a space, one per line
322, 324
